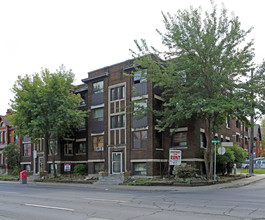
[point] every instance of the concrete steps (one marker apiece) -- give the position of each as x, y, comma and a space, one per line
31, 178
111, 179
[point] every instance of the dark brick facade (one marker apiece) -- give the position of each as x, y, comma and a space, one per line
7, 135
115, 142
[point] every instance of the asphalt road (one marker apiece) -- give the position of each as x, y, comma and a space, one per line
31, 202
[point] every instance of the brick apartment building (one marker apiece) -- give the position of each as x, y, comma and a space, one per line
113, 140
7, 136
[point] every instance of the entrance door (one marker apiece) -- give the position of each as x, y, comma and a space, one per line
40, 164
116, 162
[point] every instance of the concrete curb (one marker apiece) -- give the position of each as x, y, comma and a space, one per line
233, 184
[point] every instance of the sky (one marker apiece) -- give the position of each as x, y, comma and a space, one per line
85, 35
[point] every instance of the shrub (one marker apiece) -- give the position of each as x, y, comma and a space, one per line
80, 169
16, 171
186, 171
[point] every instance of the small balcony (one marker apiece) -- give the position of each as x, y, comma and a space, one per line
97, 99
141, 123
97, 126
141, 89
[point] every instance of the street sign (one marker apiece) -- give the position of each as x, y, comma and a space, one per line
34, 154
216, 141
221, 150
227, 144
175, 157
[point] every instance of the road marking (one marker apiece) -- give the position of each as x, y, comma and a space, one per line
9, 192
97, 219
50, 207
105, 200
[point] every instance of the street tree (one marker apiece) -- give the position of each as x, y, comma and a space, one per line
44, 106
232, 155
202, 70
12, 154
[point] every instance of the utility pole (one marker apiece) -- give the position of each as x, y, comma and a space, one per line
251, 170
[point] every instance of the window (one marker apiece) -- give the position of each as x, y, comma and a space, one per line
140, 139
122, 121
2, 125
158, 139
98, 114
140, 105
98, 87
98, 167
53, 147
203, 140
179, 139
51, 167
83, 101
139, 76
112, 94
81, 147
246, 141
237, 138
15, 138
26, 150
238, 124
227, 122
98, 143
0, 137
4, 137
68, 148
27, 167
139, 169
117, 121
117, 93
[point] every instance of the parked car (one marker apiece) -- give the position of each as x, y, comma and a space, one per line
259, 162
245, 165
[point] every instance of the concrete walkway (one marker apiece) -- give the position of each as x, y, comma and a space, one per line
233, 184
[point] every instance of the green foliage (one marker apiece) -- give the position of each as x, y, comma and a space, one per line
256, 171
232, 155
12, 154
80, 169
43, 104
240, 154
227, 157
16, 171
186, 171
263, 136
201, 71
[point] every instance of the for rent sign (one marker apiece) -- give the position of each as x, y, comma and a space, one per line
175, 157
67, 167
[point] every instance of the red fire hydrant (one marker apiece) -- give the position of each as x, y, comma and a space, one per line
23, 177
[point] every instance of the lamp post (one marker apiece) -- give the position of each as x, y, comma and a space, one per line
251, 131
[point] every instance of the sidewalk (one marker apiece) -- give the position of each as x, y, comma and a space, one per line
243, 182
233, 184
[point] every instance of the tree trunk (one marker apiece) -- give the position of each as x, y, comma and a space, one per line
208, 153
46, 152
54, 168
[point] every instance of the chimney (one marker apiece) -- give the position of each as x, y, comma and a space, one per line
9, 112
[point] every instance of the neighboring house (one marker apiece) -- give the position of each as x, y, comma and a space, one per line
73, 150
112, 140
7, 136
257, 146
